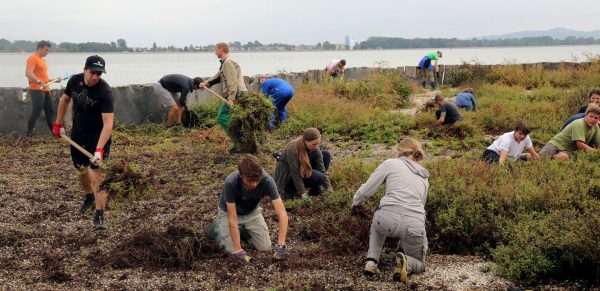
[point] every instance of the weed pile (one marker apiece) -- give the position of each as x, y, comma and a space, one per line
127, 180
250, 119
178, 247
201, 115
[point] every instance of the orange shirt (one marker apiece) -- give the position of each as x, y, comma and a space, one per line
40, 71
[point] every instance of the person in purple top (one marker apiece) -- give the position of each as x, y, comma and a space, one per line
281, 92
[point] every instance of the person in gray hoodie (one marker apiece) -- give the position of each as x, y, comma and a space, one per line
401, 211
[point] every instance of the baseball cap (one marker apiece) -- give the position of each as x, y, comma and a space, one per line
95, 64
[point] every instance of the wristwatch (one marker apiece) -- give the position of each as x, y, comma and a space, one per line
280, 246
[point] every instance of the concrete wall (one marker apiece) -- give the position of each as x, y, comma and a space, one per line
138, 103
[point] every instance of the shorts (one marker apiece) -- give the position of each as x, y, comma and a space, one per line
551, 150
89, 143
490, 156
167, 99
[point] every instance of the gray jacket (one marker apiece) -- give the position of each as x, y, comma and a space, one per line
406, 185
231, 78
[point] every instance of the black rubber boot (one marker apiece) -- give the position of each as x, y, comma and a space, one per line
88, 202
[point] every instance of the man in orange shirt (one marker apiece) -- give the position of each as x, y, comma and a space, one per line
39, 89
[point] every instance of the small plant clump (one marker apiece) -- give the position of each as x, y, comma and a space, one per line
250, 119
127, 180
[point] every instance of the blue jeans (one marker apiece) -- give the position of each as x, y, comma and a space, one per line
279, 112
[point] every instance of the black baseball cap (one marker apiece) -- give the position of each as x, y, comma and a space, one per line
95, 64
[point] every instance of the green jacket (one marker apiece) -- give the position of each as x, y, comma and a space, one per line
287, 169
231, 78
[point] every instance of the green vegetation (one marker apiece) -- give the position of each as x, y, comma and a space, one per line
249, 122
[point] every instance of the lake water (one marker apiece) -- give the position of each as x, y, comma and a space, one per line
139, 68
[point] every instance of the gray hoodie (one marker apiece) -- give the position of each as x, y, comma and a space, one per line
406, 187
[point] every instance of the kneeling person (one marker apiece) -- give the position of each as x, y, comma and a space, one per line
239, 209
511, 145
578, 135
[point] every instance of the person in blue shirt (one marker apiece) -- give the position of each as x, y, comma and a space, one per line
466, 100
281, 92
425, 67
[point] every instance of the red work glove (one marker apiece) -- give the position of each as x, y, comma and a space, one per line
57, 130
98, 156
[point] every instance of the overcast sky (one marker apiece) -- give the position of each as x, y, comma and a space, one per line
200, 22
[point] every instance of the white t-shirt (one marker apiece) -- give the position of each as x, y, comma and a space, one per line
507, 142
333, 65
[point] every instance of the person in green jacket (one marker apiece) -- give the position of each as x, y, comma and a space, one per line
303, 165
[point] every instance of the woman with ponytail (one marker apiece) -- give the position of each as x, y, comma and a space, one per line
401, 211
303, 165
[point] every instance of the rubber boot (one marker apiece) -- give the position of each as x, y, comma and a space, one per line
433, 85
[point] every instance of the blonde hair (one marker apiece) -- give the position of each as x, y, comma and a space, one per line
410, 147
304, 167
593, 108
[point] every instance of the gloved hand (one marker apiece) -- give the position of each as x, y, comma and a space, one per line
330, 189
57, 130
98, 156
280, 252
357, 210
305, 197
241, 256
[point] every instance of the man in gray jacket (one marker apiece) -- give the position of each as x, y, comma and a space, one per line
401, 211
231, 78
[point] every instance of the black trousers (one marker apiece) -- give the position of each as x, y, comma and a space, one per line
40, 99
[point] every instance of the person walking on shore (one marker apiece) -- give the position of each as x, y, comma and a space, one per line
172, 91
232, 81
93, 115
39, 90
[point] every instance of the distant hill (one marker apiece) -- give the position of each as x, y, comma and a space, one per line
556, 33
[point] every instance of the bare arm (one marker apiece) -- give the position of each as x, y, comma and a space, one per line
283, 220
63, 104
107, 120
442, 117
503, 154
233, 226
534, 155
583, 146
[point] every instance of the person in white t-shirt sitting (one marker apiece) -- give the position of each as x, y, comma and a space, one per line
511, 145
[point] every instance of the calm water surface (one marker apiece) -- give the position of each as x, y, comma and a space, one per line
139, 68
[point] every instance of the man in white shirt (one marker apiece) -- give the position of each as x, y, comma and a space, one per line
511, 145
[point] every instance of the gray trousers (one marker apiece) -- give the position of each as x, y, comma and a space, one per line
410, 231
253, 222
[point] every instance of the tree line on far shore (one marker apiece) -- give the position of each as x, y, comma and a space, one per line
374, 42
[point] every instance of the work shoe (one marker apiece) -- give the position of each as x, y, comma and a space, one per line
371, 269
400, 274
99, 223
212, 232
277, 155
88, 203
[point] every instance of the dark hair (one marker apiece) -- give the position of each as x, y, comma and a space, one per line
343, 62
595, 91
197, 82
468, 90
438, 97
249, 167
523, 126
43, 44
439, 53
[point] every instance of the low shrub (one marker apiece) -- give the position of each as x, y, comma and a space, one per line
201, 115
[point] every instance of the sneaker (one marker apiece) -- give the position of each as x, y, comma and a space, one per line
99, 223
88, 203
400, 274
371, 269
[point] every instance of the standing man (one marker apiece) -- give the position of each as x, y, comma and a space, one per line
232, 81
281, 92
448, 112
37, 74
336, 68
425, 68
93, 116
168, 88
239, 210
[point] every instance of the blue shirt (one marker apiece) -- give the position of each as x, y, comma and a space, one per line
277, 88
465, 100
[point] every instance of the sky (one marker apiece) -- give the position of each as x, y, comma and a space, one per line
199, 22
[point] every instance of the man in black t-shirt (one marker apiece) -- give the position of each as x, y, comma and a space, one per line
93, 115
448, 112
168, 88
239, 211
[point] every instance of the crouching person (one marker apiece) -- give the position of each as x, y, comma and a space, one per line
239, 211
401, 211
511, 145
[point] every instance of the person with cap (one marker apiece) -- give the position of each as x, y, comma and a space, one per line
172, 91
425, 67
39, 90
240, 214
336, 68
401, 212
280, 92
232, 81
93, 115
